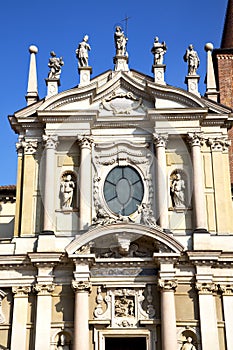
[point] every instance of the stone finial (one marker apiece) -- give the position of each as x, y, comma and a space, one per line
32, 91
211, 87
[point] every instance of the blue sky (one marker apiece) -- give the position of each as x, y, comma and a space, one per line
61, 25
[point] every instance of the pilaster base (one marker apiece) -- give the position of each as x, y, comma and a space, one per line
158, 70
85, 75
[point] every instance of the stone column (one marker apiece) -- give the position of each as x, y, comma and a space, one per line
51, 142
81, 315
198, 182
43, 315
19, 321
227, 298
85, 183
160, 142
208, 317
168, 314
19, 187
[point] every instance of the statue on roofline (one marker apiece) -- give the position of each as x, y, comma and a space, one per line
158, 50
193, 60
120, 42
82, 52
55, 64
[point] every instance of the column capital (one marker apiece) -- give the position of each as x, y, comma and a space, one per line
160, 140
219, 144
195, 139
206, 287
167, 285
81, 286
21, 291
26, 146
50, 141
226, 289
85, 141
44, 289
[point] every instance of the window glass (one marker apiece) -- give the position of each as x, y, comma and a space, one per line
123, 190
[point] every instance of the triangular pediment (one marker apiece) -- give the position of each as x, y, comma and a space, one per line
124, 241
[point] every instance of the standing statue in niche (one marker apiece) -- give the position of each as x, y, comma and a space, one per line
158, 50
177, 192
82, 52
55, 64
62, 343
120, 42
67, 191
193, 60
188, 345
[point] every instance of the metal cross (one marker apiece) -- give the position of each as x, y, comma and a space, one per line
126, 24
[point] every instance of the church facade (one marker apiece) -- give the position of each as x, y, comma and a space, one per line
120, 234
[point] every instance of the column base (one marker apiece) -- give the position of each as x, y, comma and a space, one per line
200, 230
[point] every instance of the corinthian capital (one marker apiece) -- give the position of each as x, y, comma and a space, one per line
81, 286
167, 284
206, 288
219, 144
160, 140
21, 290
195, 139
226, 289
50, 141
85, 141
43, 289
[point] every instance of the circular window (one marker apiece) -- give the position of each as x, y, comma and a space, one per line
123, 190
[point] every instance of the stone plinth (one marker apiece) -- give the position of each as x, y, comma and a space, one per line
85, 74
158, 70
121, 63
52, 86
192, 84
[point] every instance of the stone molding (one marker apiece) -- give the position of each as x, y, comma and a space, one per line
160, 140
81, 286
206, 287
21, 291
50, 141
167, 285
44, 289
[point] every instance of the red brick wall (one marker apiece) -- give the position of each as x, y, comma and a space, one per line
225, 80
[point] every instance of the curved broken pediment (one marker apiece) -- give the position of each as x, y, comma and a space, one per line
124, 240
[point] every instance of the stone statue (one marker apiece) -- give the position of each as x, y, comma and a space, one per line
62, 343
67, 191
193, 60
147, 216
120, 42
177, 192
158, 50
188, 345
82, 52
55, 64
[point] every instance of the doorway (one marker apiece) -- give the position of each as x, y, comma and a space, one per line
130, 343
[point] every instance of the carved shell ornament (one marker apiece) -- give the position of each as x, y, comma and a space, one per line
121, 102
